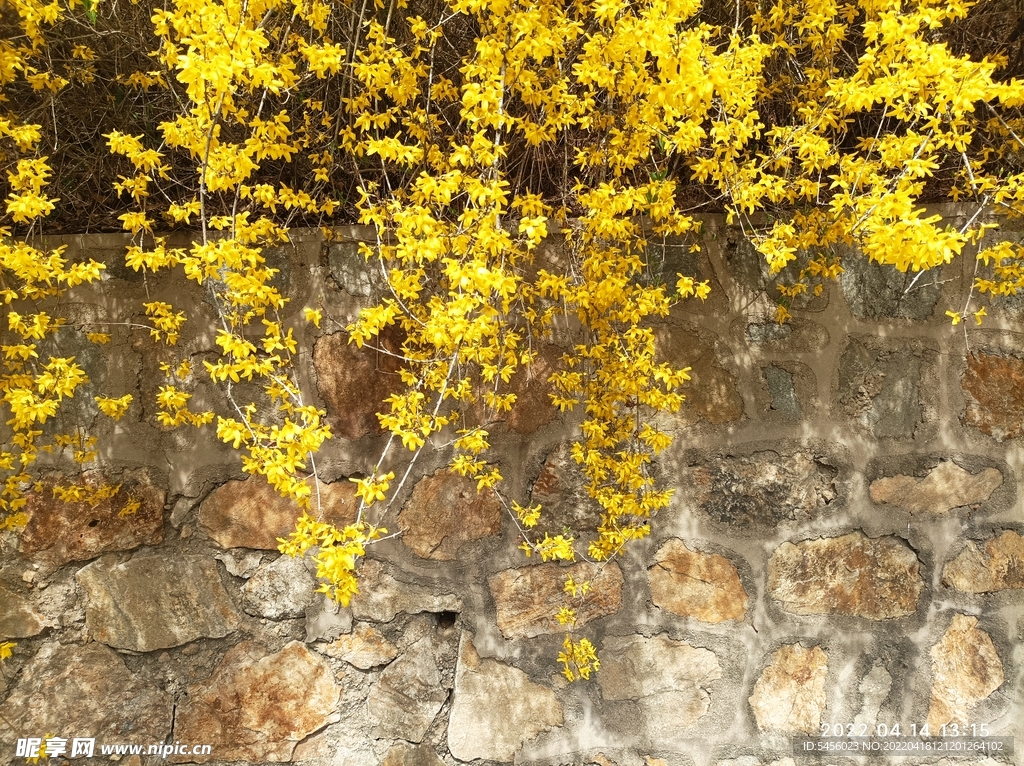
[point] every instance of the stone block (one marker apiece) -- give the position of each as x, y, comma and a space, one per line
381, 596
789, 696
994, 391
17, 617
365, 647
997, 566
965, 670
877, 579
444, 512
946, 486
155, 602
880, 387
408, 695
528, 599
690, 583
278, 590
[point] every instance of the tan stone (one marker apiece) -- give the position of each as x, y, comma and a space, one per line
155, 602
251, 513
444, 512
789, 697
408, 694
404, 754
17, 617
704, 586
946, 486
529, 598
496, 708
365, 647
83, 691
994, 390
669, 679
965, 670
257, 707
712, 394
59, 532
354, 382
999, 567
879, 579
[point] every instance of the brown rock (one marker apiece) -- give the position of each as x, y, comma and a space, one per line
994, 388
354, 382
669, 679
999, 567
404, 754
17, 617
408, 695
764, 489
496, 708
256, 707
946, 486
59, 532
965, 670
365, 647
155, 602
699, 585
879, 579
83, 691
445, 511
789, 696
533, 408
251, 514
560, 490
529, 598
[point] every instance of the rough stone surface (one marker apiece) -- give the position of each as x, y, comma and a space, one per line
994, 389
351, 271
256, 707
879, 579
880, 388
381, 596
712, 394
404, 754
533, 409
251, 514
326, 620
782, 390
17, 617
365, 648
281, 589
354, 382
670, 679
876, 291
789, 696
496, 708
704, 586
946, 486
408, 694
240, 562
444, 512
529, 598
965, 670
560, 491
873, 688
155, 602
1000, 566
83, 691
764, 489
59, 532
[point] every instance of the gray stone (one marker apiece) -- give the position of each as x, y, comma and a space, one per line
965, 670
404, 754
946, 486
326, 619
764, 489
670, 679
496, 708
351, 271
408, 695
257, 707
880, 388
381, 596
873, 688
782, 390
789, 696
879, 579
240, 562
560, 490
155, 602
283, 588
878, 291
17, 617
83, 691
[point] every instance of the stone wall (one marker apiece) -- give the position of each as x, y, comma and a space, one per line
845, 546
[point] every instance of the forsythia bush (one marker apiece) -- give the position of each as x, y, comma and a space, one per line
469, 133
